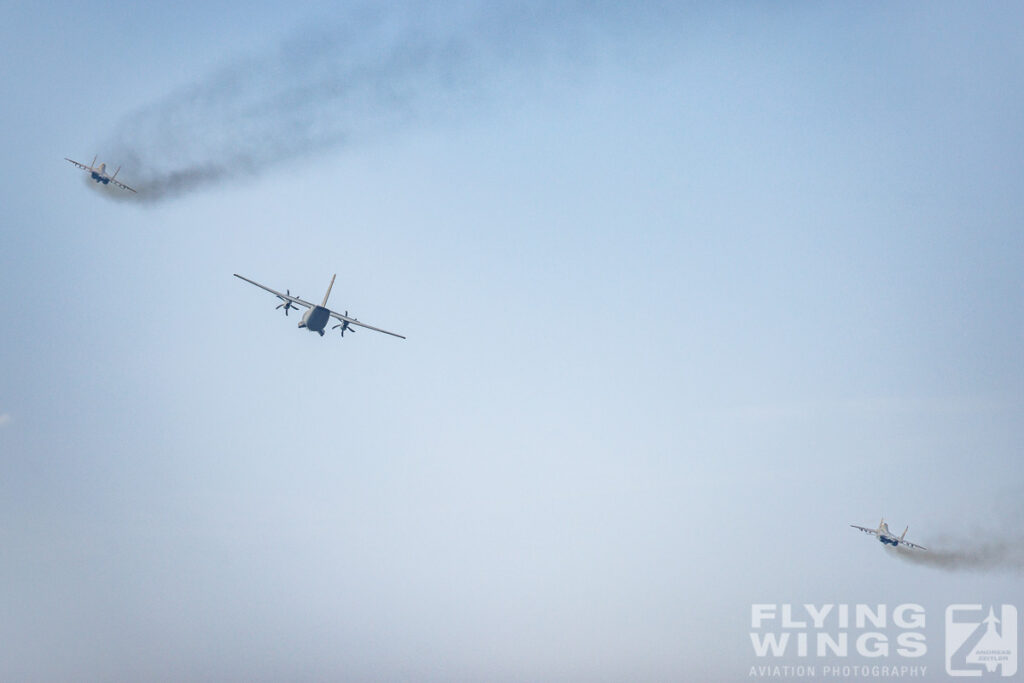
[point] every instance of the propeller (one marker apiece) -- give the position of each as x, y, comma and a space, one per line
344, 325
287, 305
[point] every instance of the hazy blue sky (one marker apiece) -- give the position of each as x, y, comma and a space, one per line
687, 291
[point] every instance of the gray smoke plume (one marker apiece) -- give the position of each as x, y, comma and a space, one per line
998, 545
378, 69
983, 555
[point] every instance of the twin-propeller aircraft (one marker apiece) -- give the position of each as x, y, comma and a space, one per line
887, 537
317, 317
99, 173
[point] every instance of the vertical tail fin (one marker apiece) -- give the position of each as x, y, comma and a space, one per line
904, 532
329, 287
93, 164
115, 173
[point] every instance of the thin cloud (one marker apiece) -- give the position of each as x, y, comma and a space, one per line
5, 419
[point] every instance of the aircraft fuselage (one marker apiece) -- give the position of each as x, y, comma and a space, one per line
315, 319
100, 174
886, 537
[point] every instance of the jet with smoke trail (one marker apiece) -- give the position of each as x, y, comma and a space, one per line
887, 537
997, 545
98, 174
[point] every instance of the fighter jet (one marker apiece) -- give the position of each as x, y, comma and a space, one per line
317, 317
887, 537
99, 173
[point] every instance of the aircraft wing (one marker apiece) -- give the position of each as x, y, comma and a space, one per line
913, 545
353, 321
279, 295
122, 185
873, 532
81, 166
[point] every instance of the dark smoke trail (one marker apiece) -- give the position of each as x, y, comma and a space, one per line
381, 68
978, 554
316, 91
